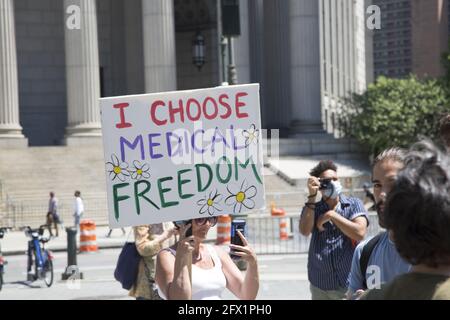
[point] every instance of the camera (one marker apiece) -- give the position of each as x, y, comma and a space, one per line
235, 238
324, 184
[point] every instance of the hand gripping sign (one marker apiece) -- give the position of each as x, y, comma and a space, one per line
182, 155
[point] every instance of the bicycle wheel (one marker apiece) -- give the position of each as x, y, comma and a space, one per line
48, 273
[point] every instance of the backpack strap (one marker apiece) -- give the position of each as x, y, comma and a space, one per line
365, 255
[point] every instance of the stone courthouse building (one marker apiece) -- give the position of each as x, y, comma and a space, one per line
307, 55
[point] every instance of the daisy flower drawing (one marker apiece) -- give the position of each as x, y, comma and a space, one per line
117, 169
251, 135
210, 204
139, 170
241, 197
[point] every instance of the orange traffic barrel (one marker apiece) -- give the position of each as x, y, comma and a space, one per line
88, 239
276, 212
283, 229
223, 230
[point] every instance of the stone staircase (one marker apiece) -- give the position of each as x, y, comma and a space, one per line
314, 144
28, 175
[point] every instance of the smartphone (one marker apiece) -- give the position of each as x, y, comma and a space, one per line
188, 232
235, 238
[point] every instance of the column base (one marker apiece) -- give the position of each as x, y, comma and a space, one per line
11, 137
86, 141
13, 142
306, 127
83, 135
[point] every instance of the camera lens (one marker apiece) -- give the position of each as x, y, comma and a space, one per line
324, 184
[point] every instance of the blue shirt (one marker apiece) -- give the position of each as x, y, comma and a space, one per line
384, 265
331, 251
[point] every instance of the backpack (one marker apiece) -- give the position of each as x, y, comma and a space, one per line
365, 255
127, 267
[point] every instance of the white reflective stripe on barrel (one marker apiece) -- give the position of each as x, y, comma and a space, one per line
87, 233
88, 243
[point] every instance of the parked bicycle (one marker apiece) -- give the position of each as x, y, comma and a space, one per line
3, 262
39, 259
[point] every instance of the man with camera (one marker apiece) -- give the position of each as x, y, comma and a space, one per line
335, 222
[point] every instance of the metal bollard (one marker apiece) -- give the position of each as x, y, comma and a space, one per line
72, 271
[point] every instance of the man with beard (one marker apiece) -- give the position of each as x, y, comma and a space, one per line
417, 211
376, 260
334, 222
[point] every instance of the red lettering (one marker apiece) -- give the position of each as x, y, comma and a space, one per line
188, 110
156, 104
123, 124
240, 104
226, 105
216, 108
173, 111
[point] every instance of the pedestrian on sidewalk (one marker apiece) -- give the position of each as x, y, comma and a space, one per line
417, 211
336, 222
149, 240
53, 218
78, 209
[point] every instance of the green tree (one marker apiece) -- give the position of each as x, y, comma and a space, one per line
394, 112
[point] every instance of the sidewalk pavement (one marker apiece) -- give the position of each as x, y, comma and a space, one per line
15, 242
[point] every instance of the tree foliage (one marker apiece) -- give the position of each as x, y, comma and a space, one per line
394, 112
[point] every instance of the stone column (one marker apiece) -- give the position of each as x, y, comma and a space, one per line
256, 30
276, 83
305, 67
242, 45
83, 75
159, 45
134, 50
10, 129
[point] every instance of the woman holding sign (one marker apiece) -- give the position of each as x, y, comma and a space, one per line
193, 270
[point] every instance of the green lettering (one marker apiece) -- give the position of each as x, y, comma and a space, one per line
117, 198
141, 194
162, 190
230, 169
244, 166
180, 184
199, 176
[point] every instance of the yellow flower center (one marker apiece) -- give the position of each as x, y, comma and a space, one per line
240, 197
210, 202
117, 170
252, 136
139, 172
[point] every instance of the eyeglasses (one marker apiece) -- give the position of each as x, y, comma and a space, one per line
202, 221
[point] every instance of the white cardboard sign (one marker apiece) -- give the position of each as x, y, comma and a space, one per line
182, 155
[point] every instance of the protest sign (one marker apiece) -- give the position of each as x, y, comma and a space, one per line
182, 155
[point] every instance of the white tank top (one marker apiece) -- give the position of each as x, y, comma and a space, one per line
207, 284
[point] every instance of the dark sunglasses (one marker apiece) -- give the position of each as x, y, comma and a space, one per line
202, 221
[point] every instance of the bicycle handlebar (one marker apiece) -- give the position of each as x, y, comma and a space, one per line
40, 231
